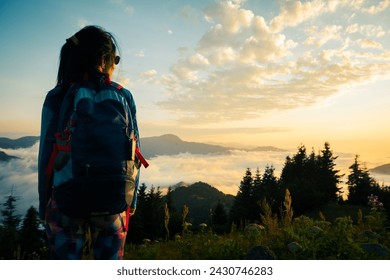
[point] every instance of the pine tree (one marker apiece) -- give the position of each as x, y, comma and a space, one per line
155, 217
329, 178
303, 175
10, 236
31, 236
244, 207
271, 188
219, 219
360, 184
137, 231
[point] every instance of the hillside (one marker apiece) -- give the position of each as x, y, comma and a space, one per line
5, 157
23, 142
170, 144
382, 169
200, 198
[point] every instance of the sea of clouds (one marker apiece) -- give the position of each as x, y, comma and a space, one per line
223, 171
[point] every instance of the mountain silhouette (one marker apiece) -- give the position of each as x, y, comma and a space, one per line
382, 169
167, 144
23, 142
5, 157
170, 144
201, 198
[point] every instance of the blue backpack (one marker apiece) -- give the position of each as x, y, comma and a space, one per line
96, 158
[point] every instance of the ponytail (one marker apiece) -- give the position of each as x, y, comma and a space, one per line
82, 53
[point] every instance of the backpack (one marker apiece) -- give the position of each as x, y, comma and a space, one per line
96, 157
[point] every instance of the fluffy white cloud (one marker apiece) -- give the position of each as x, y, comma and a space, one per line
295, 12
245, 66
367, 43
19, 176
149, 74
320, 37
375, 9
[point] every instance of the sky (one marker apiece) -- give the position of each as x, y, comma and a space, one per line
243, 73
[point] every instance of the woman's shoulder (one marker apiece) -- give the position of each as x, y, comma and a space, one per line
123, 89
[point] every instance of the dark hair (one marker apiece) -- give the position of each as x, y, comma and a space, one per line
82, 53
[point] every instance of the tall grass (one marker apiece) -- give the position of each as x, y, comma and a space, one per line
342, 237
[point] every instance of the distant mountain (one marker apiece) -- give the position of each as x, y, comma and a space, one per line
23, 142
170, 144
167, 144
200, 198
267, 149
382, 169
5, 157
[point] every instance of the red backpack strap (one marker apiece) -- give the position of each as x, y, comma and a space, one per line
50, 165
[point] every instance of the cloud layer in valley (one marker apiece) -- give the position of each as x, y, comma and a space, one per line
19, 177
223, 171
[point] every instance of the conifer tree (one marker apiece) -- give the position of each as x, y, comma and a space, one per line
31, 236
271, 188
307, 177
155, 213
360, 184
244, 207
219, 219
137, 231
328, 177
9, 241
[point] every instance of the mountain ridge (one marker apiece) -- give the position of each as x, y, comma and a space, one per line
382, 169
153, 146
170, 144
22, 142
200, 198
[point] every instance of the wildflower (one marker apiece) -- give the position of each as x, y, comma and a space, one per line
374, 203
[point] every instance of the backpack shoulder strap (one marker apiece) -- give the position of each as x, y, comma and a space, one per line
67, 105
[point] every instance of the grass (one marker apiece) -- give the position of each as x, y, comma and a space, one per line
337, 232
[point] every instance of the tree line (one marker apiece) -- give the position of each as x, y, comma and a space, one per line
312, 180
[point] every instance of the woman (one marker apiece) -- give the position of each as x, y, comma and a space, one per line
87, 62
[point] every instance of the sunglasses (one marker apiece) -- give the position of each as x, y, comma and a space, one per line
117, 59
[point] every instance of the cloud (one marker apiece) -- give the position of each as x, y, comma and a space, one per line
223, 171
81, 23
127, 8
189, 14
382, 6
320, 37
149, 74
294, 12
140, 54
367, 43
244, 67
369, 30
20, 177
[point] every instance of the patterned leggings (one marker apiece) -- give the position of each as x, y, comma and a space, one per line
67, 236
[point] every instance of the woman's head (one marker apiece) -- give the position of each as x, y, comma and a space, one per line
90, 48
